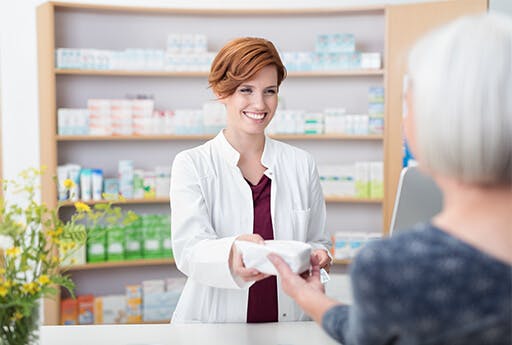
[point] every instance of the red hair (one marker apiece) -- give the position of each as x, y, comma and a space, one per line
239, 60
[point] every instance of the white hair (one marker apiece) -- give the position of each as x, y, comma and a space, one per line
461, 78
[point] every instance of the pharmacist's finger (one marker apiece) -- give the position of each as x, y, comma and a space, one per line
251, 238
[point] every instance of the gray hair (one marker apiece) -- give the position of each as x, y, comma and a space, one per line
461, 78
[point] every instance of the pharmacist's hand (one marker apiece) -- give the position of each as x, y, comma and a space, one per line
320, 258
236, 263
294, 284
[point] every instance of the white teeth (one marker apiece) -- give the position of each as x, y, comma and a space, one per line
255, 116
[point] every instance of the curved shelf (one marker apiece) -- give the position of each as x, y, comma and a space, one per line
146, 262
351, 200
63, 138
118, 264
118, 202
328, 199
195, 74
342, 261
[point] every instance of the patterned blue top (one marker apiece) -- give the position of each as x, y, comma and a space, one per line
425, 287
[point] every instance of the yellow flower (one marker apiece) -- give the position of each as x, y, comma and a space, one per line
8, 284
2, 270
3, 290
17, 316
59, 230
30, 288
81, 207
73, 261
13, 251
43, 279
68, 183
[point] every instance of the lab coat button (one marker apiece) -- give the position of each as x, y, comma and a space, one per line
284, 314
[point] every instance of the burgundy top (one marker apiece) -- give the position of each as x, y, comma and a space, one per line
262, 305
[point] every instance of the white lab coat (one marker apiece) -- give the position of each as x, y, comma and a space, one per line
211, 204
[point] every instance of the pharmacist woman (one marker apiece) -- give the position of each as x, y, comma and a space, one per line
243, 186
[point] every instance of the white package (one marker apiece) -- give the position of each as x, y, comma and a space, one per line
296, 254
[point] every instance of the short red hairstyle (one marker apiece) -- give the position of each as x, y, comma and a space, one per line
239, 60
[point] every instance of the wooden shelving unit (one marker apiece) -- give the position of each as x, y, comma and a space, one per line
328, 199
117, 264
344, 262
120, 202
191, 74
57, 22
62, 138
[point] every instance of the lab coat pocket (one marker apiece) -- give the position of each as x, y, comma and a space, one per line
300, 222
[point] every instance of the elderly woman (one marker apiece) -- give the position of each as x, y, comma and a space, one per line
448, 281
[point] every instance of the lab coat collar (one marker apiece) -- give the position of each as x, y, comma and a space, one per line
232, 156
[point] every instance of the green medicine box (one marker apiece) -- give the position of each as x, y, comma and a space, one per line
133, 241
96, 245
115, 243
165, 236
151, 239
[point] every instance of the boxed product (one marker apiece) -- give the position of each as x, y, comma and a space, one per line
376, 180
134, 303
151, 234
110, 309
96, 246
69, 311
85, 309
115, 243
362, 178
133, 240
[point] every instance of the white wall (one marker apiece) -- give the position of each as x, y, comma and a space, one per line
18, 66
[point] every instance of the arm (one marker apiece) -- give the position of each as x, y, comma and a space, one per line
199, 252
369, 320
308, 293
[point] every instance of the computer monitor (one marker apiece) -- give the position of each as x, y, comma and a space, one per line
418, 199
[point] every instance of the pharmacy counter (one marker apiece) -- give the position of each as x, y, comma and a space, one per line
284, 333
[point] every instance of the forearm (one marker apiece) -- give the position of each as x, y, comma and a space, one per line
315, 303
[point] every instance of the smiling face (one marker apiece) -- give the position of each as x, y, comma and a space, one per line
253, 104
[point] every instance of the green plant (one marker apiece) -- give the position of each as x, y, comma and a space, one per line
35, 242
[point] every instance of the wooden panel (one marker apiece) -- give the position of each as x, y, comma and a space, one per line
164, 137
150, 73
221, 11
404, 25
47, 125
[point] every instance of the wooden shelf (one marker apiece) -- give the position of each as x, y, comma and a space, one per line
146, 262
63, 138
118, 264
188, 74
213, 11
342, 261
118, 202
346, 199
328, 199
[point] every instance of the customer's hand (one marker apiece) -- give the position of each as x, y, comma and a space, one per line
293, 284
236, 263
321, 258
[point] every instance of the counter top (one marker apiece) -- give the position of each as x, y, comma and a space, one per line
282, 333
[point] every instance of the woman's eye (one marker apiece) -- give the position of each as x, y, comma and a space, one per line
271, 92
245, 90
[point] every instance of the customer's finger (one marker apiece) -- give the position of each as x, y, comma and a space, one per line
280, 265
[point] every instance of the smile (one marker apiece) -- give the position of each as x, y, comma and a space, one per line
254, 116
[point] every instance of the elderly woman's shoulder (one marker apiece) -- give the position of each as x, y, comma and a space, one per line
415, 244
